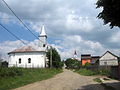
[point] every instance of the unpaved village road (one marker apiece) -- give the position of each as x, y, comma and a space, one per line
67, 80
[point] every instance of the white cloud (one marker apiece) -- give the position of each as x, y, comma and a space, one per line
76, 22
115, 38
4, 17
76, 42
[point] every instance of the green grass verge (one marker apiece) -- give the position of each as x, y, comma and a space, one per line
85, 72
97, 80
10, 79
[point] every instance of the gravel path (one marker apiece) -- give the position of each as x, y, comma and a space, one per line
67, 80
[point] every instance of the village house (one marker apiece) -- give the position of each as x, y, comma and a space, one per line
85, 58
94, 60
108, 59
29, 57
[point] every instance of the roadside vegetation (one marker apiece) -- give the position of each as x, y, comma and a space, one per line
87, 69
56, 62
87, 72
15, 77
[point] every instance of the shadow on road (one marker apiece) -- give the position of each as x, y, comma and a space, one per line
106, 86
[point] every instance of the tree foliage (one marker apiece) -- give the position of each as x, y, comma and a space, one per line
110, 13
56, 60
72, 63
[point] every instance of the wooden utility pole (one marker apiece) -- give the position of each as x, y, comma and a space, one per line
50, 56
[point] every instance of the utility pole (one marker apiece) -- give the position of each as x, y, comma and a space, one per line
50, 56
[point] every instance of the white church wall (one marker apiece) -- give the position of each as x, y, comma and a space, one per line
37, 60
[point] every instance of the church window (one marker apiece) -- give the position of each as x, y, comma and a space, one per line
43, 45
29, 60
19, 60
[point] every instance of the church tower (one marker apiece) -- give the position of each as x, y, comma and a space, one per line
75, 55
42, 38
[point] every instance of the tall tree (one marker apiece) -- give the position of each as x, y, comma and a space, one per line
110, 13
56, 60
72, 63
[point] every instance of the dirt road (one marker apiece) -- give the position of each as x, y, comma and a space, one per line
67, 80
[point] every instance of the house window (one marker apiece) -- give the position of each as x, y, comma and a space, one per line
19, 60
105, 63
29, 60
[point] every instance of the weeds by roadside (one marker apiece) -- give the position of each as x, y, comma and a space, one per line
15, 77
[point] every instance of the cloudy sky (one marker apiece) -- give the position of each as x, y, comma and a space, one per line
70, 25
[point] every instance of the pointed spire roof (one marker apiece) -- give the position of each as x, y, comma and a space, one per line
43, 31
75, 53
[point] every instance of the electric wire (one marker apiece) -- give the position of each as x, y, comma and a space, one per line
19, 19
12, 33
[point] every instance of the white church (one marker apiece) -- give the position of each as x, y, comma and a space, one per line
29, 57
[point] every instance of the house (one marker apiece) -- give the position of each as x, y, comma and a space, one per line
85, 58
108, 59
29, 57
94, 60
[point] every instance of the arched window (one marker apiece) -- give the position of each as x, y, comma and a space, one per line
29, 60
19, 60
44, 45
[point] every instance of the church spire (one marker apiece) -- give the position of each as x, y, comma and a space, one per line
75, 55
42, 38
43, 31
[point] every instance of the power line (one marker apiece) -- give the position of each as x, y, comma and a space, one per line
12, 33
19, 19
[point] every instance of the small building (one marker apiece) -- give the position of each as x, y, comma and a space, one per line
29, 57
108, 59
85, 58
94, 60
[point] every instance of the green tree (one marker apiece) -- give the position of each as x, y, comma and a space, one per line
72, 63
110, 13
56, 60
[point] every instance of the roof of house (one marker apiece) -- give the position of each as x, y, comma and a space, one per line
95, 56
25, 49
110, 53
85, 54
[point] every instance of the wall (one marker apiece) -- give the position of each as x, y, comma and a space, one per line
108, 59
85, 61
37, 60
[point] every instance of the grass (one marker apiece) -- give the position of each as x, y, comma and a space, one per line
10, 79
85, 72
97, 80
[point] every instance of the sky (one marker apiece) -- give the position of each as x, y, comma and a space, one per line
70, 25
